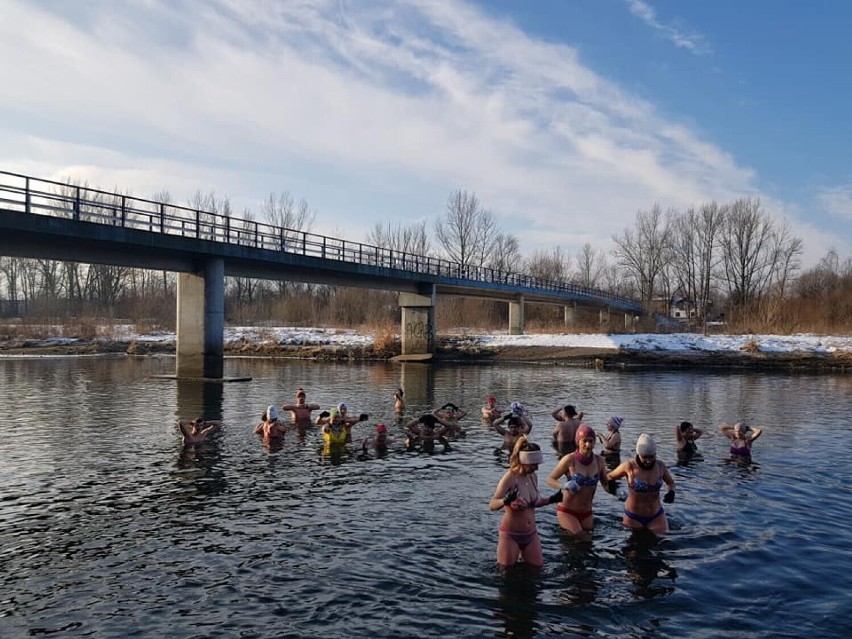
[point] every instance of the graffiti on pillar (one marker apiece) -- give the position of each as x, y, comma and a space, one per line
420, 330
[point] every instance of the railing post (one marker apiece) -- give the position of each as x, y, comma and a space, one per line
323, 247
123, 211
197, 224
77, 206
227, 229
162, 217
27, 195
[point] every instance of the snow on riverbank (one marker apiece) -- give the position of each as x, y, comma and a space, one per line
675, 342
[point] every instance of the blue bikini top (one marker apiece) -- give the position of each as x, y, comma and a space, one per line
582, 480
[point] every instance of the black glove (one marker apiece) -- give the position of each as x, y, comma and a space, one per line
325, 413
363, 417
612, 487
555, 498
669, 497
511, 496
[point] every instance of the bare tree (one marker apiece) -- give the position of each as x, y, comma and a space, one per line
591, 266
506, 254
547, 266
643, 252
411, 239
468, 231
696, 253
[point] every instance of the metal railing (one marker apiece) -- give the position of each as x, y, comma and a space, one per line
36, 196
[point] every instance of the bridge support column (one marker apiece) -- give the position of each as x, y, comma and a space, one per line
516, 317
603, 316
570, 314
201, 321
418, 323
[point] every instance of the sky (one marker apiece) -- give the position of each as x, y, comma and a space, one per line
564, 117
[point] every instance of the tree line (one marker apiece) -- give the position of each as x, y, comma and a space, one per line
727, 262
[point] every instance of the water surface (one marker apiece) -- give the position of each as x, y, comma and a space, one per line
109, 527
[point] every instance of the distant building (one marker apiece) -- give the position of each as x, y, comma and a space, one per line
677, 307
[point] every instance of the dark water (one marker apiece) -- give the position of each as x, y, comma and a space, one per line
109, 528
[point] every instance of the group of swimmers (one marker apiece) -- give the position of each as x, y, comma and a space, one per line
575, 476
579, 470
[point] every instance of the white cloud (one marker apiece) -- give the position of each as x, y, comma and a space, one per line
348, 101
692, 42
838, 201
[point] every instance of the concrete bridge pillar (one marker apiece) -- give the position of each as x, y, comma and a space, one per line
516, 316
418, 323
603, 316
570, 314
201, 321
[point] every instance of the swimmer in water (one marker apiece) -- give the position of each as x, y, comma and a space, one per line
399, 401
423, 434
742, 437
195, 431
489, 411
379, 442
583, 470
646, 476
300, 412
271, 426
518, 496
516, 409
515, 427
611, 442
686, 434
450, 415
567, 422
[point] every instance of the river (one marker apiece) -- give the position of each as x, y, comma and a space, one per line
109, 527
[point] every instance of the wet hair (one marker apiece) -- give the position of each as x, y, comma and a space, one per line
685, 426
569, 410
428, 420
514, 420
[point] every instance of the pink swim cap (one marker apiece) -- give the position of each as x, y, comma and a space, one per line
583, 432
381, 428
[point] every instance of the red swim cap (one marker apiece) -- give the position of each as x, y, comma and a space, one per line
381, 428
583, 432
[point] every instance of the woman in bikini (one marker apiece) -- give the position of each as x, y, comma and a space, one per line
517, 495
645, 478
583, 470
742, 436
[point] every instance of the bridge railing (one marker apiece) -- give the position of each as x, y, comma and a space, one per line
56, 199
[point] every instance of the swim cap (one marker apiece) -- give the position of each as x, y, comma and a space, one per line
491, 399
271, 413
341, 407
583, 432
530, 457
381, 428
615, 421
646, 446
333, 413
516, 407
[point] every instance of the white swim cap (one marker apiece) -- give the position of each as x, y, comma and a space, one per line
530, 457
646, 446
271, 413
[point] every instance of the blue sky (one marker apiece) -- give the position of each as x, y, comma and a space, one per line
564, 117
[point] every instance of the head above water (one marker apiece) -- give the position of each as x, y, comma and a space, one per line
646, 446
685, 426
570, 411
584, 431
271, 413
615, 422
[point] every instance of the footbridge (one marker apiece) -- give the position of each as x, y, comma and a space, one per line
51, 220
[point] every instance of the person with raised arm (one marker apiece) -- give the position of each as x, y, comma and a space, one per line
489, 410
422, 434
300, 412
516, 409
742, 436
611, 442
195, 431
450, 415
271, 427
685, 435
567, 422
399, 401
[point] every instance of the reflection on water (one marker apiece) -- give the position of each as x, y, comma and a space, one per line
108, 523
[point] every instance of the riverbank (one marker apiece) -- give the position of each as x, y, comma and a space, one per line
558, 350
